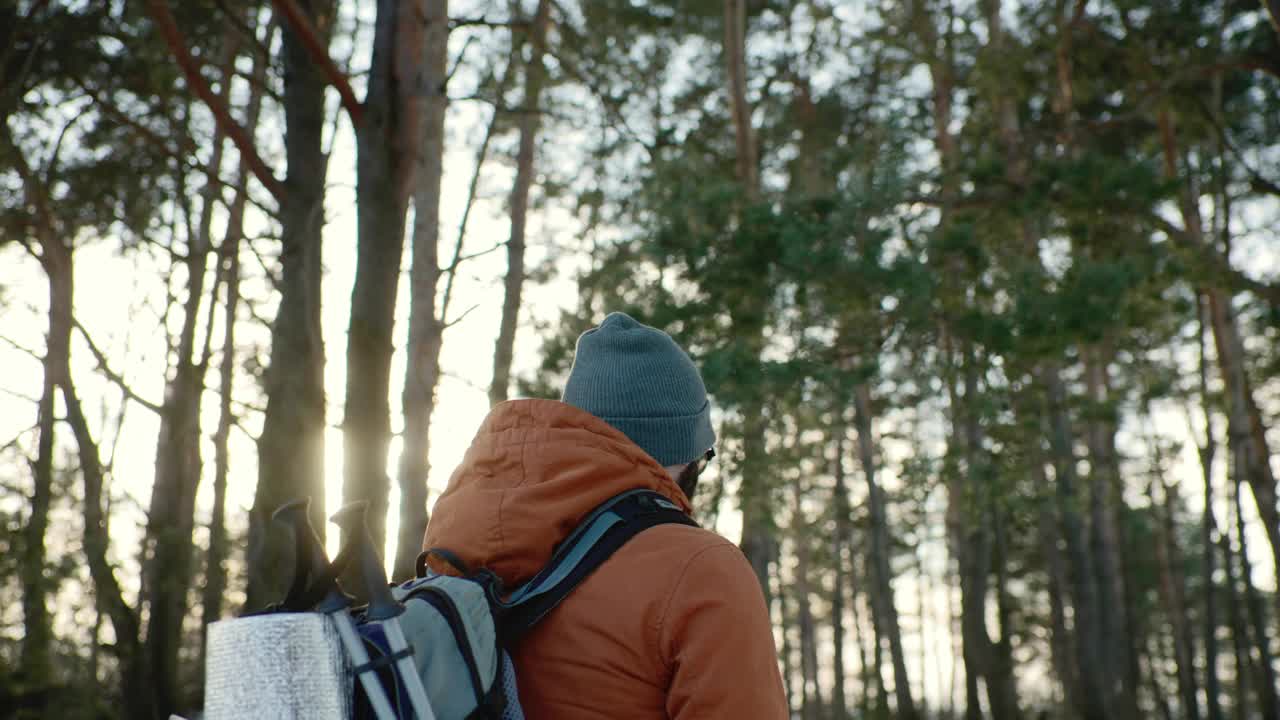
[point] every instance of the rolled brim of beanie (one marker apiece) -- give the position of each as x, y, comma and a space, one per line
670, 440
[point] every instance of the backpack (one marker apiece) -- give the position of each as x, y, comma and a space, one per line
458, 629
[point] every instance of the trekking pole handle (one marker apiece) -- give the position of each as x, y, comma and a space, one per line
351, 518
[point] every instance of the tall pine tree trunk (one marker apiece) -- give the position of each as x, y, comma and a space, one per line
1094, 694
1246, 431
422, 371
1171, 588
388, 144
219, 548
1260, 629
530, 118
291, 446
56, 259
967, 516
841, 511
1105, 506
811, 695
880, 550
37, 638
1207, 452
1240, 634
748, 316
168, 562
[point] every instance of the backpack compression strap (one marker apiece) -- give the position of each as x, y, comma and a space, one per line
596, 538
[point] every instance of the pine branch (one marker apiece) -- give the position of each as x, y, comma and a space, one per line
306, 33
105, 368
244, 143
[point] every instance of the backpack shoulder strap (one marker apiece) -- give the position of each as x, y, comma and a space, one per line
606, 529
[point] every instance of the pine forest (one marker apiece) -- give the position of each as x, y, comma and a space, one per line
985, 293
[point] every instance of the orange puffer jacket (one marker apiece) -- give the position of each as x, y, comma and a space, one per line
673, 625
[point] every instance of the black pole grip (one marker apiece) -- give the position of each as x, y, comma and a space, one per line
351, 518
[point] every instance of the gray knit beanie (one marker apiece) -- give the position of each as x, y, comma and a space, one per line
638, 380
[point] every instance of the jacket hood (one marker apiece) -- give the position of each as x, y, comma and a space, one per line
533, 471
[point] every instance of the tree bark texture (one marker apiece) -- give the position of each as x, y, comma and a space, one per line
291, 446
535, 76
388, 144
426, 326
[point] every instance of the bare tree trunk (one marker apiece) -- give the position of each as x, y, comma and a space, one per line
388, 146
1240, 638
168, 562
735, 52
1061, 641
864, 665
784, 621
219, 550
1266, 675
749, 316
1171, 590
1245, 429
1104, 506
215, 581
291, 446
811, 695
422, 371
37, 635
841, 510
56, 258
882, 603
530, 117
968, 512
1207, 452
135, 679
1089, 653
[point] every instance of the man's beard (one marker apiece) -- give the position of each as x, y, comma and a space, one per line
688, 479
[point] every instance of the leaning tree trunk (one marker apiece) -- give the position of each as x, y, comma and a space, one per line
387, 153
882, 604
291, 446
1245, 429
534, 78
422, 367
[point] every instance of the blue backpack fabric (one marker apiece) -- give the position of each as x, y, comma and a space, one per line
459, 628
